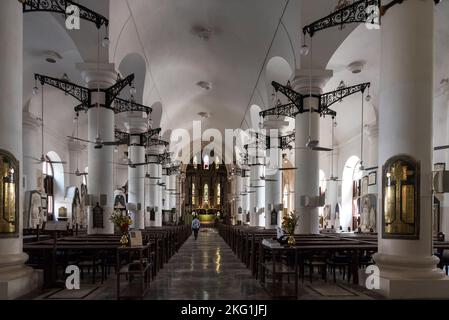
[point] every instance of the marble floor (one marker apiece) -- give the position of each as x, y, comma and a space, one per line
207, 269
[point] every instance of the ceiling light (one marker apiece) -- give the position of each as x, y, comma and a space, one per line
202, 32
105, 43
52, 57
204, 85
204, 115
133, 90
304, 51
368, 98
356, 67
35, 91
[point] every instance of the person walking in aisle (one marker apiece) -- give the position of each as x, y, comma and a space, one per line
196, 227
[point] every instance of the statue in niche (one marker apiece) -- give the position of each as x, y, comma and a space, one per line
83, 210
37, 217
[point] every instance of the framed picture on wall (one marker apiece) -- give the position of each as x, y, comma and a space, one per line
372, 178
364, 185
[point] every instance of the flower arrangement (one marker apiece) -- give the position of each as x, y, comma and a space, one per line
289, 223
121, 221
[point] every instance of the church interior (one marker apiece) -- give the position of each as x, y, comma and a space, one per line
308, 141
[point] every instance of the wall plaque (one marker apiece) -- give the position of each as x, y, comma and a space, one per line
97, 217
400, 198
9, 195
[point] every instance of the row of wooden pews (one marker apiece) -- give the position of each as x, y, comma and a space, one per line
268, 260
99, 255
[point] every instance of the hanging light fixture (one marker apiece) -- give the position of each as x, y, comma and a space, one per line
35, 88
133, 90
304, 50
106, 42
368, 97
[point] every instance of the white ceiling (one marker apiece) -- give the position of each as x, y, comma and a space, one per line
155, 40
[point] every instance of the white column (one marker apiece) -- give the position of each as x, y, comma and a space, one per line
172, 193
100, 161
136, 183
31, 148
15, 279
373, 140
408, 267
307, 161
152, 190
257, 195
239, 198
159, 217
273, 187
75, 149
246, 199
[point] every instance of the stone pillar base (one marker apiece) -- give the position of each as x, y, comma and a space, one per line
411, 277
414, 288
18, 282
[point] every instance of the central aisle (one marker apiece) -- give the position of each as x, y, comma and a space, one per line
205, 269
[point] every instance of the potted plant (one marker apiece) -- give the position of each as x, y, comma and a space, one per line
122, 222
289, 223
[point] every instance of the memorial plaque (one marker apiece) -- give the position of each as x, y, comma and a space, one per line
400, 205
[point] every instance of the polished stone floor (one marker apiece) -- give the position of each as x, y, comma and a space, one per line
207, 269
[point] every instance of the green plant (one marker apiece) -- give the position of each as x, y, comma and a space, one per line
289, 223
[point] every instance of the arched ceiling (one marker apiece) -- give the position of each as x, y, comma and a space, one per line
171, 35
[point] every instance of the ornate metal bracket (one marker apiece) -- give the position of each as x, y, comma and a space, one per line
156, 143
83, 94
287, 141
121, 105
60, 6
326, 101
296, 98
114, 91
172, 170
356, 12
79, 93
330, 98
124, 138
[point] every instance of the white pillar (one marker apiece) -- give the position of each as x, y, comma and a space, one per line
100, 161
239, 198
136, 183
159, 197
15, 278
172, 191
31, 148
307, 161
408, 267
257, 195
273, 187
152, 190
246, 199
373, 140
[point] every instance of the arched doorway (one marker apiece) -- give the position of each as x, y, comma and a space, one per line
350, 193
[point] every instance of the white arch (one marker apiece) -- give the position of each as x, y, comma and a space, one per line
351, 166
59, 183
279, 70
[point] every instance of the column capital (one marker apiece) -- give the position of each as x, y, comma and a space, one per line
136, 123
101, 75
30, 120
320, 77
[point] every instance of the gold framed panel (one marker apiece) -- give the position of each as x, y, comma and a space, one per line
400, 198
9, 195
